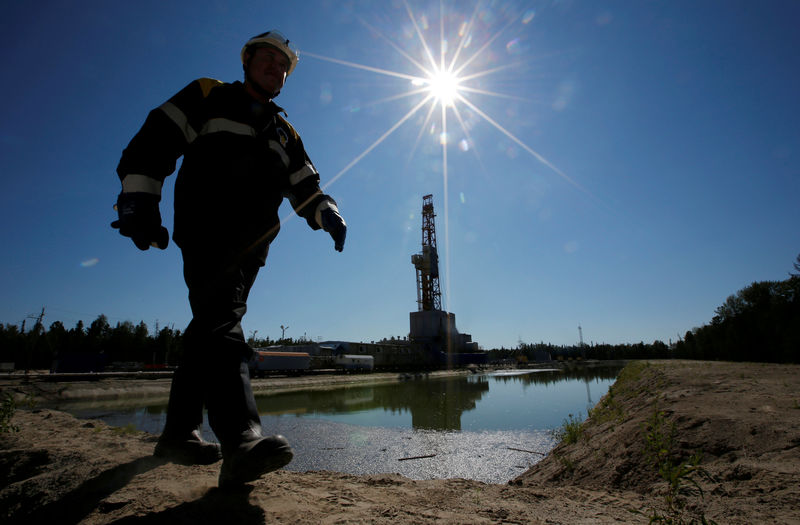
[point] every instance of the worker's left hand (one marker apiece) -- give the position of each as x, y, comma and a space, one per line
334, 224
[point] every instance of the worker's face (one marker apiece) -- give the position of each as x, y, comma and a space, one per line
268, 68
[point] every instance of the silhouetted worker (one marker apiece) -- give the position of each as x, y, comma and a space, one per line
240, 159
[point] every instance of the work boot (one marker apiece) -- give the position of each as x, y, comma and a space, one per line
188, 449
232, 413
181, 441
253, 458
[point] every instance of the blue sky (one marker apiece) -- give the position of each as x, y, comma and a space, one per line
624, 166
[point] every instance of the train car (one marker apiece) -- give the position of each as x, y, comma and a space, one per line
266, 362
360, 363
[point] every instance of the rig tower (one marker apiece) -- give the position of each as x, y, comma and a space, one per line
432, 329
429, 295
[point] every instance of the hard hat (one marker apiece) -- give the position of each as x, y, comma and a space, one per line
277, 40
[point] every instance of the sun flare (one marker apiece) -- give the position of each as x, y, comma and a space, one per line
444, 87
452, 82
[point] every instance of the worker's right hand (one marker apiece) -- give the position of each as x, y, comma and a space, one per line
334, 224
140, 219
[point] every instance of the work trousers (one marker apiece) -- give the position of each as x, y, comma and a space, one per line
213, 371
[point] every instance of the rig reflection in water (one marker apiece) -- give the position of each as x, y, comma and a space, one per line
433, 404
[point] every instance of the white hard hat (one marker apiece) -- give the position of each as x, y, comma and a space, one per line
277, 40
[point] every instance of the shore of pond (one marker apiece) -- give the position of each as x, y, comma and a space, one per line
744, 418
49, 390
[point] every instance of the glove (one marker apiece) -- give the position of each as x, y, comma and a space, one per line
333, 223
140, 219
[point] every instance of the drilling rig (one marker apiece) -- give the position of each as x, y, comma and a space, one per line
429, 295
432, 328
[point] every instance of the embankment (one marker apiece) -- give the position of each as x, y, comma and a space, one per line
725, 436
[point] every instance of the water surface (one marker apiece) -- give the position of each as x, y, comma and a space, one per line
488, 427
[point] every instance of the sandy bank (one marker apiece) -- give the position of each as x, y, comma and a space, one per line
744, 418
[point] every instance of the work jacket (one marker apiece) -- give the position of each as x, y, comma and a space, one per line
240, 159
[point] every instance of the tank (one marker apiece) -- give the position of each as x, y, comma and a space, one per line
355, 362
269, 362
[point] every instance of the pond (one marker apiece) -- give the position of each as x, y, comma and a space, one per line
488, 427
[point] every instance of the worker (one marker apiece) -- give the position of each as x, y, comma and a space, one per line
240, 158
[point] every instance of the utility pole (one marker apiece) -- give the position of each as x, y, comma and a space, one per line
38, 319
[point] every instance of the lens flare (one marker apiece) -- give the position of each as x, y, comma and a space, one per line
447, 82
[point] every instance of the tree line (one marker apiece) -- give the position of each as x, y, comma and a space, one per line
758, 323
532, 352
96, 347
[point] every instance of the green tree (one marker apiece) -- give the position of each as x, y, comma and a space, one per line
760, 322
121, 345
12, 344
58, 340
99, 329
168, 346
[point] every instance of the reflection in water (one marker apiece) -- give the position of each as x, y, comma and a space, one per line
434, 404
440, 404
547, 377
512, 399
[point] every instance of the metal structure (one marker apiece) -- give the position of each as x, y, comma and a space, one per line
429, 295
432, 330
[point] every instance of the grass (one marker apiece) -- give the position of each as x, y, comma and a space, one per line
570, 430
127, 430
568, 464
7, 408
640, 380
680, 476
609, 408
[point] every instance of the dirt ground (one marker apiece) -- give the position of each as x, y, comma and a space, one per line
744, 418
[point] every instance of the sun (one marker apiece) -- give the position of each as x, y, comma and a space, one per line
447, 80
444, 86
